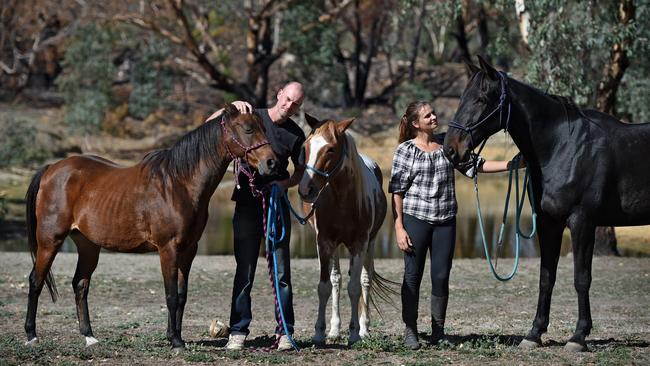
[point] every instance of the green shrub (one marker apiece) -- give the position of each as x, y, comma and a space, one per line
88, 77
17, 144
151, 80
410, 93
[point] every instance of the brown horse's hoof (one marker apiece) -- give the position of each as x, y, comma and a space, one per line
575, 347
32, 342
526, 344
91, 341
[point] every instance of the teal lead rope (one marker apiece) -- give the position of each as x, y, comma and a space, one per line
514, 165
275, 210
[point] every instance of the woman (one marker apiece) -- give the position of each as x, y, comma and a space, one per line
424, 208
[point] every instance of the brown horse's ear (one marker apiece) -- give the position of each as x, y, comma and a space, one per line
490, 71
312, 122
230, 110
471, 68
343, 125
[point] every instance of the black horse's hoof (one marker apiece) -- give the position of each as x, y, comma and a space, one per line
575, 347
32, 342
528, 344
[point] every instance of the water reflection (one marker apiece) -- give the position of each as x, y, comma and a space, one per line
217, 238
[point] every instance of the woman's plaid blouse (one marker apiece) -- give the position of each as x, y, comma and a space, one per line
426, 180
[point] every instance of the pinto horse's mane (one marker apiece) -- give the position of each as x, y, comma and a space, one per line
178, 161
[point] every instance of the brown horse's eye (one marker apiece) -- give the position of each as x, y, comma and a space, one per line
247, 129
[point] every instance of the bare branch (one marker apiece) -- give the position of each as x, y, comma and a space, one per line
327, 17
147, 24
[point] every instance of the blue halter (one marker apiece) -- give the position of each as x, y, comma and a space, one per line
327, 175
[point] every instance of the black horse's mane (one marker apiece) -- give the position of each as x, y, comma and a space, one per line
567, 103
179, 160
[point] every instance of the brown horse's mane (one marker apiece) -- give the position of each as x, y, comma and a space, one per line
178, 161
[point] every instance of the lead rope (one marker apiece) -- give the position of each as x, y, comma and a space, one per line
519, 203
273, 214
271, 232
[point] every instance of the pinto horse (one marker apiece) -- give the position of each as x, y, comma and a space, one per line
342, 191
587, 169
158, 204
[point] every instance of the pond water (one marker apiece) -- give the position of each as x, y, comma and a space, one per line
218, 239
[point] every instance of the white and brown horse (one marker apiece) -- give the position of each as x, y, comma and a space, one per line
343, 188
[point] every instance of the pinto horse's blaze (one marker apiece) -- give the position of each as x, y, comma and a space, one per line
158, 204
587, 169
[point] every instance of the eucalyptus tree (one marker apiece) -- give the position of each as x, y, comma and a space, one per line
584, 50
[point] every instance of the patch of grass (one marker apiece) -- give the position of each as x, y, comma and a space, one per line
376, 342
12, 348
129, 325
148, 344
198, 357
269, 358
365, 357
429, 362
483, 346
233, 355
616, 356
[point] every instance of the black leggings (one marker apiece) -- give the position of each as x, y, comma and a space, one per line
440, 240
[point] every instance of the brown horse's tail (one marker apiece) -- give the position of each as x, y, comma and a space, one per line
30, 219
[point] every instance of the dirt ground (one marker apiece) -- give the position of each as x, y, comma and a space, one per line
486, 318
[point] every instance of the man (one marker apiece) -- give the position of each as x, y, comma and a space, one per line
286, 139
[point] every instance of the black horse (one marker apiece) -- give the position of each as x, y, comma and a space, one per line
588, 169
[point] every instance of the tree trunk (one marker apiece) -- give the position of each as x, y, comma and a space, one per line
483, 33
605, 243
416, 41
461, 38
524, 21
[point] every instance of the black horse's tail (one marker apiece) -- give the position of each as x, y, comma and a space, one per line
30, 219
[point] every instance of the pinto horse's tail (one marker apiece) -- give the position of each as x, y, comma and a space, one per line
30, 219
383, 289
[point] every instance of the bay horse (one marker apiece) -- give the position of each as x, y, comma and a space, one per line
344, 189
159, 204
587, 168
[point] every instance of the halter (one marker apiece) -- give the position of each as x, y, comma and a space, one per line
326, 175
504, 125
239, 167
339, 163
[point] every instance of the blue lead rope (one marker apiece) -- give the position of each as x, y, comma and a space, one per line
275, 208
519, 207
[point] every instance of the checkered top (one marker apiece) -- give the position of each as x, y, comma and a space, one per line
427, 181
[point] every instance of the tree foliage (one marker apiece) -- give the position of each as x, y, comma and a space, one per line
98, 57
88, 77
151, 79
571, 44
17, 144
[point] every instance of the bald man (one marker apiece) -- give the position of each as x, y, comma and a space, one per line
286, 139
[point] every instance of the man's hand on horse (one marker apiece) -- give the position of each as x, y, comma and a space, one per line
242, 107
